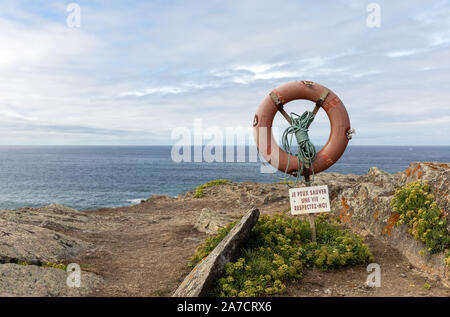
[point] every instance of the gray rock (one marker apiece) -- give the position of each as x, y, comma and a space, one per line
54, 217
198, 282
33, 244
210, 221
363, 203
60, 218
32, 280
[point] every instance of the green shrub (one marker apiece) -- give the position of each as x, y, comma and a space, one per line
199, 190
427, 223
278, 248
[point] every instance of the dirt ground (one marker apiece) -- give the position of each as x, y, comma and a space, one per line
147, 255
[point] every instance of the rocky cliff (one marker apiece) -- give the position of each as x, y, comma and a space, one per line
142, 250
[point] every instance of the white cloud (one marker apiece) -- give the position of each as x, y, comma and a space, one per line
258, 68
150, 91
132, 73
367, 73
396, 54
440, 38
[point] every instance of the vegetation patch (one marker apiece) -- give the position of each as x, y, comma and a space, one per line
205, 249
278, 249
199, 190
60, 266
417, 208
286, 182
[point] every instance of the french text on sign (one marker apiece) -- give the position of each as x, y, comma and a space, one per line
306, 200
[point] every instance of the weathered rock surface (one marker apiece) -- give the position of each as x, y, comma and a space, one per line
210, 221
363, 203
34, 245
204, 273
36, 236
32, 280
57, 217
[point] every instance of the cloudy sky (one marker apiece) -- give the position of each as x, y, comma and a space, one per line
135, 70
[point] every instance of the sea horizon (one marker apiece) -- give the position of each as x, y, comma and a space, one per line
87, 177
171, 145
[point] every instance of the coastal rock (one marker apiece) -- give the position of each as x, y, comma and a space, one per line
32, 280
33, 244
210, 221
160, 231
53, 216
59, 218
59, 209
365, 207
362, 202
435, 174
198, 282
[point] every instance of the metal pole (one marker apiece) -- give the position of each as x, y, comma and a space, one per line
311, 216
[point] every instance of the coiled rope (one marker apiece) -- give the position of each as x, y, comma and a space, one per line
306, 151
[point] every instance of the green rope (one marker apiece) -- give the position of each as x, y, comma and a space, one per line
306, 150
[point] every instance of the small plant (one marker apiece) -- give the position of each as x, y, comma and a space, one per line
426, 221
286, 182
426, 285
209, 245
60, 266
278, 248
199, 190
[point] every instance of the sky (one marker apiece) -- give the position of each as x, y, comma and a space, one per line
136, 70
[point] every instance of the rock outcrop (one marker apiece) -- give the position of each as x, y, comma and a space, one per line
35, 245
198, 282
32, 280
365, 207
362, 202
210, 221
34, 236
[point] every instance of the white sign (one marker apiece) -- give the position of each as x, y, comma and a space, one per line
306, 200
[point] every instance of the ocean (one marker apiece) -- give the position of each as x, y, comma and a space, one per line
90, 177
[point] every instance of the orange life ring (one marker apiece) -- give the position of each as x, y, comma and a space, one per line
333, 106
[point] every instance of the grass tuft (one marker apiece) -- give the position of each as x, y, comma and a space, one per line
60, 266
199, 190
